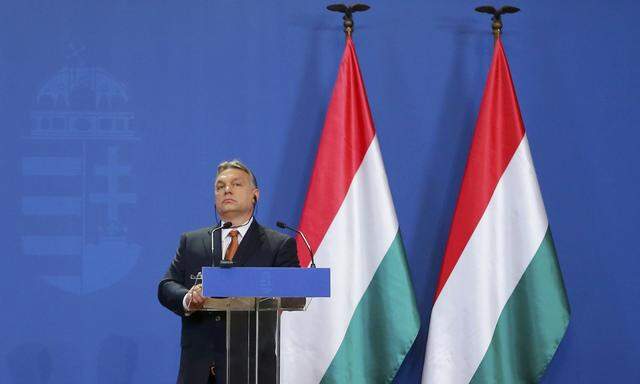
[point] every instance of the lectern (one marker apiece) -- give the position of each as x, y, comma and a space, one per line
254, 299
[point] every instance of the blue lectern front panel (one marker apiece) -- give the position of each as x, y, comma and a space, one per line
266, 282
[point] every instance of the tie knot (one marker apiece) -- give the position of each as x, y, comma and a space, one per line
233, 233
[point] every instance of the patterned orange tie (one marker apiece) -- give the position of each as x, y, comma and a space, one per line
233, 247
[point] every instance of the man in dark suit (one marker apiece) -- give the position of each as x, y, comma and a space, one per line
245, 243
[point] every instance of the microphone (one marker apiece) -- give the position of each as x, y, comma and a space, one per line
212, 231
223, 226
304, 238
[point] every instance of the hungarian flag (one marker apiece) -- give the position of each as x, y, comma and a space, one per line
500, 309
362, 333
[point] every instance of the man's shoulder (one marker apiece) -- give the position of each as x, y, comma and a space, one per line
273, 234
200, 232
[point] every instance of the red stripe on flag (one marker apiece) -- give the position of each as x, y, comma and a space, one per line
346, 136
498, 133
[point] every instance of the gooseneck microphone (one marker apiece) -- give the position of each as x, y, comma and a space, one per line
212, 231
304, 238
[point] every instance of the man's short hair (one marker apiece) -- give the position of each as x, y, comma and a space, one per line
236, 164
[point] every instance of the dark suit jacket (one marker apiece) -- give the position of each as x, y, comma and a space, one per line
203, 333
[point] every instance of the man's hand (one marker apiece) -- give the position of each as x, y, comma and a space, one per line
195, 300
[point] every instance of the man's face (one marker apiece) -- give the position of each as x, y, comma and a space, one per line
235, 194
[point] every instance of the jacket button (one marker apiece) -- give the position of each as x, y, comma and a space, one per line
218, 318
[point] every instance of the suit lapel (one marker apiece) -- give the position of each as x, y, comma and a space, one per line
249, 244
217, 249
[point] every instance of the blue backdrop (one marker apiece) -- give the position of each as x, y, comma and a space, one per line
115, 113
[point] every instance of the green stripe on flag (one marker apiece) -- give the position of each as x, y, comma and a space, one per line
383, 327
531, 324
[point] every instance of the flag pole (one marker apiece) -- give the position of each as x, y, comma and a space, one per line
496, 19
348, 14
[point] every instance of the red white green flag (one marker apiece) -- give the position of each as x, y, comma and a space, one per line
363, 332
500, 309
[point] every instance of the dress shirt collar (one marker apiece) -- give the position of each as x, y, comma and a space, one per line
241, 229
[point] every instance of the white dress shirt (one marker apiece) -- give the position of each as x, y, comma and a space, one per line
226, 239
